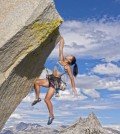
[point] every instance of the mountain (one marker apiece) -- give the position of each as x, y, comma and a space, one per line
89, 125
29, 128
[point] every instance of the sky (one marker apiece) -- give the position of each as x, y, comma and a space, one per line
91, 33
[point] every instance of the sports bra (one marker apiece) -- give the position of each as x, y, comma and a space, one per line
60, 68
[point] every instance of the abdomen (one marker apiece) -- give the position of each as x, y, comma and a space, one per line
56, 73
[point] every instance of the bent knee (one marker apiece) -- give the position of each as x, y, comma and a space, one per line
37, 82
46, 100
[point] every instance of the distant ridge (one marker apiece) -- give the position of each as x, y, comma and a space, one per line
89, 125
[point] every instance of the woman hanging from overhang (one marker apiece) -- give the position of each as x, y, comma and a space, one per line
53, 81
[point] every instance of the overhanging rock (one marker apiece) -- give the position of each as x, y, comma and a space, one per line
29, 32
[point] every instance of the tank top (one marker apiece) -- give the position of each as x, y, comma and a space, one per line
60, 68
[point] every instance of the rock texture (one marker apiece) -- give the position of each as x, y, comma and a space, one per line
29, 32
90, 125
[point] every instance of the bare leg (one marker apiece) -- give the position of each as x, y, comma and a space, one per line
38, 83
47, 99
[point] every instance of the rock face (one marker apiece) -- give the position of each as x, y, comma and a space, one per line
29, 32
90, 125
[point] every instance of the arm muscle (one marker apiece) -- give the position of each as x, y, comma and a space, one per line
61, 45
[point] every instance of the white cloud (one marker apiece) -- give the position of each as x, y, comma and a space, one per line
29, 98
115, 96
94, 107
112, 84
96, 39
107, 69
116, 127
107, 117
87, 82
91, 92
67, 95
44, 73
16, 116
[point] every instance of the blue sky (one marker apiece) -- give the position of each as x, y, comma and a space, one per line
91, 33
84, 9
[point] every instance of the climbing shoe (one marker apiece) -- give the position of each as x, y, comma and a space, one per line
50, 120
36, 101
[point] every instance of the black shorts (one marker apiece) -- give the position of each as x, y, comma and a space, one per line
53, 81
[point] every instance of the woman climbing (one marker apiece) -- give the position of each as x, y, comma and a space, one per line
62, 66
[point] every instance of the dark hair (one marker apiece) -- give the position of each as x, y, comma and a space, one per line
75, 68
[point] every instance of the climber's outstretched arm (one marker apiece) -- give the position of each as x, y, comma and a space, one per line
61, 45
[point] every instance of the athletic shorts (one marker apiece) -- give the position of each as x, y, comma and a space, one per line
53, 81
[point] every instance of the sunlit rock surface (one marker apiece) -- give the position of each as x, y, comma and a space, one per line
28, 34
90, 125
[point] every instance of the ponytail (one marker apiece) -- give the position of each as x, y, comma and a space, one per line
75, 70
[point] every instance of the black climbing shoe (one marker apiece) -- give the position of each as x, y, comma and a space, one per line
50, 120
36, 101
